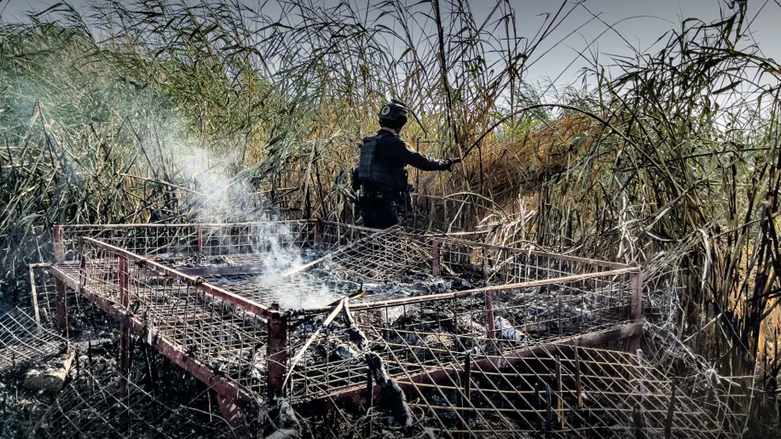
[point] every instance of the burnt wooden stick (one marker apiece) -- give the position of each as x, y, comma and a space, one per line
337, 309
467, 388
392, 395
778, 404
638, 419
367, 432
353, 332
537, 402
125, 348
548, 411
61, 300
559, 395
486, 267
490, 323
34, 296
436, 268
668, 423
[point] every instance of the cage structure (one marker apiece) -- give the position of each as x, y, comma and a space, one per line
23, 341
309, 310
102, 403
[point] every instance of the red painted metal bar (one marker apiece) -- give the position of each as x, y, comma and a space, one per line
489, 309
353, 397
124, 302
276, 358
436, 267
246, 304
476, 291
598, 262
176, 353
318, 238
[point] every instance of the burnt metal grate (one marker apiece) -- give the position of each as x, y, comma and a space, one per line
474, 334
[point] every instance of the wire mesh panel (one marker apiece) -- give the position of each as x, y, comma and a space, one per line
554, 390
429, 307
198, 319
143, 239
419, 332
310, 264
177, 241
496, 265
560, 393
23, 341
107, 405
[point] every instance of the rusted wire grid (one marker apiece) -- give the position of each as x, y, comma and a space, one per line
330, 235
503, 265
384, 258
468, 325
283, 275
507, 398
176, 240
397, 253
24, 341
405, 252
104, 271
612, 406
106, 404
229, 339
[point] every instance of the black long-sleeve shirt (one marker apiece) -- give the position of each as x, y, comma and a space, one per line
397, 154
382, 161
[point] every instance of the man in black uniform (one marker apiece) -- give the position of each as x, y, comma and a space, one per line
380, 178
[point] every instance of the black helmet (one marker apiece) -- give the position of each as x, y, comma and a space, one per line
393, 116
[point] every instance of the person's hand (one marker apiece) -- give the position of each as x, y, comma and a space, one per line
449, 164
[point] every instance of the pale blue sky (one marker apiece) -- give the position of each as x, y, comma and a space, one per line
640, 23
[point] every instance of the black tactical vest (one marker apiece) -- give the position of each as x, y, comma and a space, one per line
378, 168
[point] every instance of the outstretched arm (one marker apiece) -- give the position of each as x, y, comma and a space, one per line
422, 162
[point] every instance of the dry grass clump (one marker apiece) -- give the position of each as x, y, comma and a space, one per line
516, 165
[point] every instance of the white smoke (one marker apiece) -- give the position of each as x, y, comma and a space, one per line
215, 195
282, 257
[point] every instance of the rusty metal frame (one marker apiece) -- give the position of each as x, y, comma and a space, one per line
353, 397
276, 361
176, 353
233, 394
477, 291
205, 287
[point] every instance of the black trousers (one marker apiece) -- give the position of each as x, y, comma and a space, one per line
379, 212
